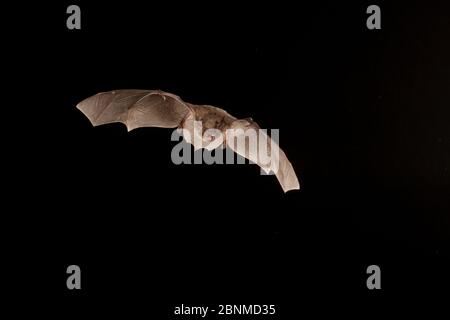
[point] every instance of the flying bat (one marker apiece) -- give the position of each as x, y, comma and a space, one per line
203, 126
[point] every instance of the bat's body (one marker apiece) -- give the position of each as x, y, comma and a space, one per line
204, 126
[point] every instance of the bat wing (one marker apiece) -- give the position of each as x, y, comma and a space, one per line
135, 108
253, 143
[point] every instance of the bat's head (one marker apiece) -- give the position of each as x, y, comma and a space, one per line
212, 138
242, 123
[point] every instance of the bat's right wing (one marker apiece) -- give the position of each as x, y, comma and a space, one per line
248, 140
135, 108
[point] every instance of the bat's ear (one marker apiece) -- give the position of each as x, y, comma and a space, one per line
249, 122
243, 123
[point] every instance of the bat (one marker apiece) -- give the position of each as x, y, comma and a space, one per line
203, 126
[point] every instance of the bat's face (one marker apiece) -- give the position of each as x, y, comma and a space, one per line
212, 138
210, 129
203, 132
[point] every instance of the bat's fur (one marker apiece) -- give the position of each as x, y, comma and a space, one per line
212, 117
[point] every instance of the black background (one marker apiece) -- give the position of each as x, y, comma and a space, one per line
363, 116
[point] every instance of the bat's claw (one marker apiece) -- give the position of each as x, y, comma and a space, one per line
161, 94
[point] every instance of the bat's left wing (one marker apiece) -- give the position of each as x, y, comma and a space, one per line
248, 140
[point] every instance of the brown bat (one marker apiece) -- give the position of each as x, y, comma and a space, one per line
203, 126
